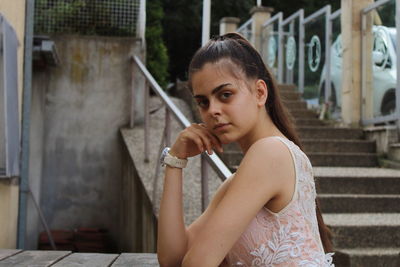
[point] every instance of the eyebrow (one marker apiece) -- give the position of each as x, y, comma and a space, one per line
215, 90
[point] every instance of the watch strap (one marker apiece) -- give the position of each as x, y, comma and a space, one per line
173, 161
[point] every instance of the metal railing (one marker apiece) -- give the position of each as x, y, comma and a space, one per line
325, 11
290, 21
371, 110
266, 43
170, 108
246, 30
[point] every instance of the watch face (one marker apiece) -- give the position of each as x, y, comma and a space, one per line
163, 154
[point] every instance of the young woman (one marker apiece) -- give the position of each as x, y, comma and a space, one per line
266, 213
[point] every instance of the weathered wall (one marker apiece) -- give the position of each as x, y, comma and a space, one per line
87, 100
14, 12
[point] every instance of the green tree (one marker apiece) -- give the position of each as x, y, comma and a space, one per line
157, 56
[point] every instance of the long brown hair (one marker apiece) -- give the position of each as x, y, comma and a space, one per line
234, 47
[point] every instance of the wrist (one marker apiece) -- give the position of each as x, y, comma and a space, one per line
173, 153
168, 159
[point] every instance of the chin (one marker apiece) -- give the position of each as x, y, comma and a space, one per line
226, 139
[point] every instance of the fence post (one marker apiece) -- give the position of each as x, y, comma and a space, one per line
398, 69
259, 14
228, 24
351, 75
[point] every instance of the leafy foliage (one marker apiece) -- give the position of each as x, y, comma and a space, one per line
157, 56
87, 17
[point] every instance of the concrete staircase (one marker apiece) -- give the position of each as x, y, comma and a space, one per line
360, 202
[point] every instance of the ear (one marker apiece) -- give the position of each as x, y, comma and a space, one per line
261, 92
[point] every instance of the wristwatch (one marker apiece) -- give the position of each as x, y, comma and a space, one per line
168, 159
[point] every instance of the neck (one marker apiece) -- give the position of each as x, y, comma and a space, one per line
263, 128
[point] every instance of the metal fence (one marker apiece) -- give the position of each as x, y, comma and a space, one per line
88, 17
245, 30
9, 121
308, 52
293, 49
380, 62
271, 45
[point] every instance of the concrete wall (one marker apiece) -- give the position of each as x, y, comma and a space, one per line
14, 12
76, 152
138, 224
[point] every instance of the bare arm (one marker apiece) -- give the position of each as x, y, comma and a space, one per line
173, 238
266, 170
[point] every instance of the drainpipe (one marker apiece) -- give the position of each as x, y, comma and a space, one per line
26, 109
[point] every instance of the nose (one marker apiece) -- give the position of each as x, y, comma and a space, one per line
214, 108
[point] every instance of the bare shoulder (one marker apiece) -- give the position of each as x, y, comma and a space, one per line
270, 152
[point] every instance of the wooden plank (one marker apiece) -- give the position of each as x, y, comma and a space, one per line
5, 253
34, 258
86, 260
136, 259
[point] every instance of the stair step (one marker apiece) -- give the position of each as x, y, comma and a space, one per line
323, 145
343, 159
356, 203
367, 257
287, 87
299, 104
301, 122
232, 158
358, 185
372, 236
303, 113
321, 132
290, 96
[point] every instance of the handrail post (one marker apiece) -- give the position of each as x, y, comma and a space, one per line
167, 127
301, 51
328, 41
397, 110
146, 121
280, 49
133, 91
204, 183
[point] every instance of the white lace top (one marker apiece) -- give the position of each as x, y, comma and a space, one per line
289, 237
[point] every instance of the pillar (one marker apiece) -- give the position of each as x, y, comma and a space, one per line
228, 24
351, 75
260, 15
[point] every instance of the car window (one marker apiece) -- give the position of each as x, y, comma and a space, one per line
393, 37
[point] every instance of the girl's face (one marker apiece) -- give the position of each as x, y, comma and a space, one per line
226, 100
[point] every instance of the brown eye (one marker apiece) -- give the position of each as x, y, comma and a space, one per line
202, 103
225, 95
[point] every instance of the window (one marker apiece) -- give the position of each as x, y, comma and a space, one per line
9, 119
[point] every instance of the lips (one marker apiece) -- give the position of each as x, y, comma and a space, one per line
221, 126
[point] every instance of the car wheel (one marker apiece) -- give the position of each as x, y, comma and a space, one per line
332, 98
389, 106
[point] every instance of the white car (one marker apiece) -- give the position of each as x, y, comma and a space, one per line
384, 72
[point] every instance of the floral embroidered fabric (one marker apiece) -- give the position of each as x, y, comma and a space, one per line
289, 237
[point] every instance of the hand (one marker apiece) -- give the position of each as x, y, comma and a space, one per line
194, 140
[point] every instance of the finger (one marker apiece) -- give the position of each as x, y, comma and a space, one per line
196, 139
215, 140
205, 138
